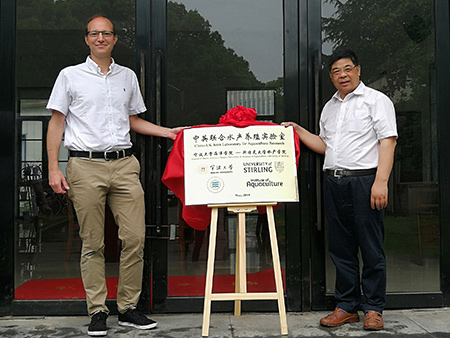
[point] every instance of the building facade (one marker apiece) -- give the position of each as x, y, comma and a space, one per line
194, 60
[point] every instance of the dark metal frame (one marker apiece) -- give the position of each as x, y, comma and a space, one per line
151, 51
7, 156
442, 15
296, 241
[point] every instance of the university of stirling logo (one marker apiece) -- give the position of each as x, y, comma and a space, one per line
279, 166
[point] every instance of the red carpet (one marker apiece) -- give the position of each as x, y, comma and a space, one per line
178, 286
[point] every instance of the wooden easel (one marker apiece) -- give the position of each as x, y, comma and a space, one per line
241, 274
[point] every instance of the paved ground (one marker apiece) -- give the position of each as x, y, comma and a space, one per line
403, 323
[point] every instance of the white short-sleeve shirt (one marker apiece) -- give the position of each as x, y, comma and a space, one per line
97, 106
352, 127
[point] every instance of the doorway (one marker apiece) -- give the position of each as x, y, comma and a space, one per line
385, 35
218, 55
193, 65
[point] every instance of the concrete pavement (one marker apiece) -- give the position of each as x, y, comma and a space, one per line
423, 323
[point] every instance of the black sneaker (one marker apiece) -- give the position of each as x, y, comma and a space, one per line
137, 319
97, 327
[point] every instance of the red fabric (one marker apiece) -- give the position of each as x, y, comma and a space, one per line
199, 216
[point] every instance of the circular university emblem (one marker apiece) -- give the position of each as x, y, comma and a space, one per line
202, 169
215, 184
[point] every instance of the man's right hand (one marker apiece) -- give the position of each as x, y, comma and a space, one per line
312, 141
58, 182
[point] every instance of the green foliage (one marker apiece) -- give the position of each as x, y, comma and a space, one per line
393, 39
50, 36
200, 68
278, 86
72, 14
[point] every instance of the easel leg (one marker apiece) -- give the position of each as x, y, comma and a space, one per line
210, 272
237, 285
277, 270
241, 262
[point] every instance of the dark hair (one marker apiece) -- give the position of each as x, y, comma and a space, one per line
342, 54
99, 16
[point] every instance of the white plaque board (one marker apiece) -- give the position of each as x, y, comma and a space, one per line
224, 165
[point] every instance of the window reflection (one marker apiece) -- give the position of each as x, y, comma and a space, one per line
210, 53
49, 37
395, 45
222, 54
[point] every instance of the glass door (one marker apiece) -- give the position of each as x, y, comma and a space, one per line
220, 54
395, 42
49, 37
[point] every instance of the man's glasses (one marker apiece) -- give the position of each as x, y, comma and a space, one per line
346, 70
106, 34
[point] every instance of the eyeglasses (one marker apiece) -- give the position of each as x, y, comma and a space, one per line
346, 70
106, 34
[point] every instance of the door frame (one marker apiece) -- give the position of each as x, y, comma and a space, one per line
7, 179
442, 24
155, 12
309, 47
150, 55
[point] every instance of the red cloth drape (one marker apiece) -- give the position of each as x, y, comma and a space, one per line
199, 216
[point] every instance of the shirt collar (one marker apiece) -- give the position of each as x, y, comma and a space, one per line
95, 68
358, 91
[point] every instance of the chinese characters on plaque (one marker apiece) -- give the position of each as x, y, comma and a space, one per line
225, 165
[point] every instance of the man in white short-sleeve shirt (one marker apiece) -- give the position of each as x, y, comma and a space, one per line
358, 135
97, 104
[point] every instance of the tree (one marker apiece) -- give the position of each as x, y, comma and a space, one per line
278, 86
395, 44
393, 39
50, 36
200, 69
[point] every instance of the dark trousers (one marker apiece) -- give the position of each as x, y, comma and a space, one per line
354, 225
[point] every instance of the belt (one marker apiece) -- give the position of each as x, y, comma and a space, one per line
348, 173
106, 155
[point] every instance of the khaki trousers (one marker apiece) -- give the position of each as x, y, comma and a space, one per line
92, 184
